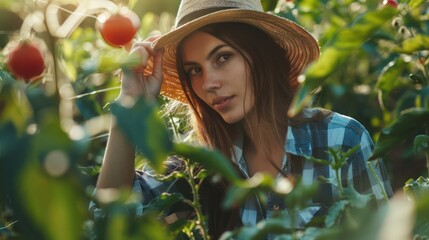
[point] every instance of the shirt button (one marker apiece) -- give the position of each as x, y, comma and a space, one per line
276, 207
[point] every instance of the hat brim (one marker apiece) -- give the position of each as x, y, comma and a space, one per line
301, 47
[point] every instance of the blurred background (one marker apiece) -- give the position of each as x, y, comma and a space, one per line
53, 128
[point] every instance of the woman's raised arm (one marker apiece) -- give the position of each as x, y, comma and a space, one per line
117, 170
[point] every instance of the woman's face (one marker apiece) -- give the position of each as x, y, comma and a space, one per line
218, 75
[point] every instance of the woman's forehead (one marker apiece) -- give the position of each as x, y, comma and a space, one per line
199, 43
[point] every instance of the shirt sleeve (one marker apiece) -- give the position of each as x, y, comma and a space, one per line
145, 186
369, 176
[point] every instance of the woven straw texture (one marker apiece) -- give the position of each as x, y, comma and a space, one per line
301, 48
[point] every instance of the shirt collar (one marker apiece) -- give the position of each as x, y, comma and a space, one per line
298, 142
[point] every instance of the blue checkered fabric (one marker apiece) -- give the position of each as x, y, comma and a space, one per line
304, 139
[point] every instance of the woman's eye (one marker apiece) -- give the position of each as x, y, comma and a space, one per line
223, 58
193, 70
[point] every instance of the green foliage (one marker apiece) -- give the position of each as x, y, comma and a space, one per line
416, 188
392, 135
421, 143
45, 169
53, 132
337, 50
152, 139
211, 160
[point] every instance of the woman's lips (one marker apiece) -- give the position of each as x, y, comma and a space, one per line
220, 103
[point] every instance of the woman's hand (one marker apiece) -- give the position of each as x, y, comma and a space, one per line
134, 82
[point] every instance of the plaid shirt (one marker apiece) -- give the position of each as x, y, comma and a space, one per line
304, 138
313, 138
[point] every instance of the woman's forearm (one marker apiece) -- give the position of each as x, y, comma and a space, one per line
117, 170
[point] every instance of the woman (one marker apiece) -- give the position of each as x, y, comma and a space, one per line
237, 68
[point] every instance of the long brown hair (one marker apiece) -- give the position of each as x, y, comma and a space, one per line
269, 68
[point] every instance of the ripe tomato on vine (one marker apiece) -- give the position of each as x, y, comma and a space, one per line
390, 3
118, 29
25, 61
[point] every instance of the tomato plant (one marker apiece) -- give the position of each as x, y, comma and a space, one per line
391, 3
26, 61
118, 29
53, 135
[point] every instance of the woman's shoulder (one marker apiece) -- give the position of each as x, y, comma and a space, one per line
320, 118
318, 129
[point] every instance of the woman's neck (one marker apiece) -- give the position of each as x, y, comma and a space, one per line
263, 146
263, 132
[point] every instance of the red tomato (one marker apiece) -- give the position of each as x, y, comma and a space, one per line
26, 61
391, 3
118, 29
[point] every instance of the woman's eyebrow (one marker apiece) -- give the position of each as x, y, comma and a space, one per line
211, 53
214, 50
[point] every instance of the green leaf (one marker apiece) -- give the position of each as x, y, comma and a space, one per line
392, 77
411, 45
142, 124
416, 188
301, 194
268, 5
213, 161
55, 205
334, 213
319, 161
14, 105
239, 192
415, 3
12, 158
313, 233
336, 52
355, 198
48, 185
10, 21
109, 60
410, 121
340, 157
264, 227
421, 143
332, 180
164, 201
122, 226
88, 105
422, 214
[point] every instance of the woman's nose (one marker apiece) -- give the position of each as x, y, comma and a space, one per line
211, 80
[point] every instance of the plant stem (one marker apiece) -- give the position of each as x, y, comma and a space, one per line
427, 161
427, 151
353, 223
175, 130
378, 181
293, 220
420, 58
339, 184
52, 46
196, 203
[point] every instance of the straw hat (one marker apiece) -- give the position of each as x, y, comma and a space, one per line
301, 47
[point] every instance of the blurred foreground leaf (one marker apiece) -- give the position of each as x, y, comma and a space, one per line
392, 77
409, 122
142, 124
264, 227
213, 161
335, 53
14, 106
417, 43
107, 61
237, 194
49, 188
421, 143
416, 188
